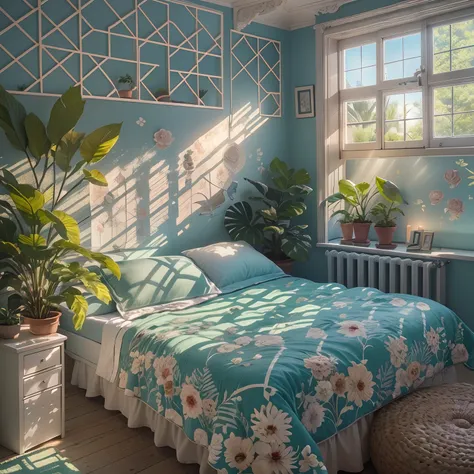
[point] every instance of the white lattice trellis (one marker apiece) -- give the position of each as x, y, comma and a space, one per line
69, 34
262, 63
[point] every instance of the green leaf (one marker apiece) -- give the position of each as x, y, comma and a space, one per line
342, 212
65, 114
8, 229
300, 190
279, 167
33, 240
269, 214
77, 167
8, 178
27, 199
389, 191
333, 198
291, 209
363, 188
8, 280
78, 305
104, 260
13, 115
95, 177
98, 143
347, 188
275, 229
96, 287
65, 225
296, 245
239, 223
269, 193
48, 194
9, 248
67, 148
38, 141
301, 177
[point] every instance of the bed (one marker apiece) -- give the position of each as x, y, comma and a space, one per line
279, 376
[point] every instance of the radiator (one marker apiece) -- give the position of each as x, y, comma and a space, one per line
388, 274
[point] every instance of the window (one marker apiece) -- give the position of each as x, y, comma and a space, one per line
408, 88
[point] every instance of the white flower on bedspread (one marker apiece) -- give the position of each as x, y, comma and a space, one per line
200, 437
273, 458
339, 385
239, 452
432, 339
173, 416
352, 329
271, 424
324, 391
313, 417
226, 348
459, 354
422, 306
261, 341
243, 340
209, 408
191, 400
413, 371
398, 302
123, 377
316, 333
149, 356
398, 350
164, 367
360, 384
320, 366
138, 362
309, 461
215, 448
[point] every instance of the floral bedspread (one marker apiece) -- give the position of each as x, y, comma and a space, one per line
262, 375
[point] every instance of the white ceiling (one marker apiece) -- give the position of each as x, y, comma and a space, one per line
286, 14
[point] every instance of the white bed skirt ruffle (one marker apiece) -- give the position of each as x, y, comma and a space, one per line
346, 451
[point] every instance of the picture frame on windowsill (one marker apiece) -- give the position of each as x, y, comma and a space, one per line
415, 242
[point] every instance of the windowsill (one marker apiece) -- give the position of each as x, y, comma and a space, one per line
400, 251
407, 152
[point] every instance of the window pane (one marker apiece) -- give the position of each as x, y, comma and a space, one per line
441, 38
369, 55
365, 133
410, 66
443, 102
462, 58
393, 50
369, 76
413, 105
463, 125
393, 71
412, 46
462, 34
443, 126
463, 98
394, 131
394, 107
361, 111
353, 79
414, 130
352, 59
442, 63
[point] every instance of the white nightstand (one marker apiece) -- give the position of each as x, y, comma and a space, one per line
32, 390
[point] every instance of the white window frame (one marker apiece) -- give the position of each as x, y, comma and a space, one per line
330, 155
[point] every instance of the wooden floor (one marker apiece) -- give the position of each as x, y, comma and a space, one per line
99, 441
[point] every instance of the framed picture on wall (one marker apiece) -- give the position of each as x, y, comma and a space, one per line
304, 101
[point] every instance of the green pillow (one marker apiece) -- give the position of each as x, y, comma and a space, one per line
155, 284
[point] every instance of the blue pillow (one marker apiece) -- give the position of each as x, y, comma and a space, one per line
230, 263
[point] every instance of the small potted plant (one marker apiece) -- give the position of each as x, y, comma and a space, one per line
386, 221
10, 323
128, 86
347, 225
270, 228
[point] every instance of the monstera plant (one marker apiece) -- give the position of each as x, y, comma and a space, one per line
37, 238
271, 227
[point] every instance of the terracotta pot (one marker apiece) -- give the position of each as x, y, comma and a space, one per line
286, 265
361, 232
347, 231
385, 234
125, 93
46, 326
9, 332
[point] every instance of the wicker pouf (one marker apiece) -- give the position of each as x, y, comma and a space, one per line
428, 432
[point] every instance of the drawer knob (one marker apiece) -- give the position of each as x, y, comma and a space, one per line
41, 361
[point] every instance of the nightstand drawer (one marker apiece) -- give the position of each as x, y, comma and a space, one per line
42, 360
42, 417
41, 382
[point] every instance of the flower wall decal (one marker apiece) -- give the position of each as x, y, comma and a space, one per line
452, 178
436, 197
141, 121
455, 209
163, 139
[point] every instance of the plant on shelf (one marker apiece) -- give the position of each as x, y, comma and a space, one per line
9, 323
128, 85
357, 199
346, 222
271, 227
37, 239
385, 214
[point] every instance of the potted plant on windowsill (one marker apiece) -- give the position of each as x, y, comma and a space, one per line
10, 324
347, 225
128, 85
270, 228
37, 239
386, 223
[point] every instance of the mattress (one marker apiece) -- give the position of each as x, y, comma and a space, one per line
92, 328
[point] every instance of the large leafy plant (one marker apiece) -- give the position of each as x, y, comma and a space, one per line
357, 198
37, 239
271, 226
385, 214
